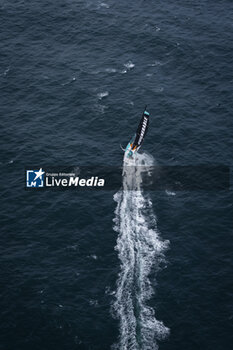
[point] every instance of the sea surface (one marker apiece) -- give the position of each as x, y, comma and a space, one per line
101, 270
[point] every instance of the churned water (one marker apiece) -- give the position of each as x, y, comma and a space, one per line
139, 248
115, 269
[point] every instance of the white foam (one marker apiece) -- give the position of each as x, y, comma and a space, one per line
139, 248
102, 95
129, 65
93, 256
108, 291
111, 70
104, 5
170, 193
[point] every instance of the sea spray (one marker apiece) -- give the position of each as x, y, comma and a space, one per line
139, 249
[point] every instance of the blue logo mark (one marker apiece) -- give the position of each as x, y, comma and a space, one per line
35, 178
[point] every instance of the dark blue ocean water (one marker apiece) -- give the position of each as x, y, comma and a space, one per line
74, 79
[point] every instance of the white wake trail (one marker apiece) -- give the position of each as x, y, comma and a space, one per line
139, 249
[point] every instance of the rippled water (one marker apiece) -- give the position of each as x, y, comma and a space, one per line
74, 79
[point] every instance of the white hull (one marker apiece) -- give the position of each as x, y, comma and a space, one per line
129, 156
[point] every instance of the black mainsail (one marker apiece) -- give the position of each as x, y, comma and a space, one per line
141, 130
